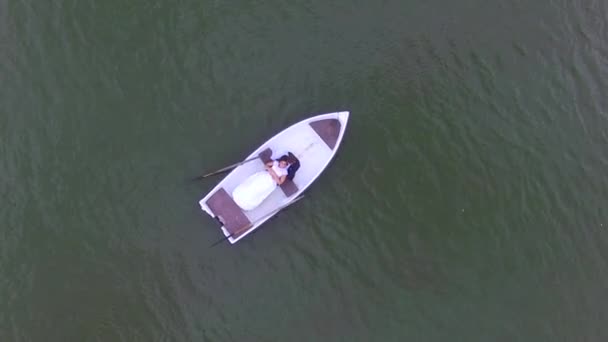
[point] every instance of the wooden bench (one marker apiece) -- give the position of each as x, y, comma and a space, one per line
227, 211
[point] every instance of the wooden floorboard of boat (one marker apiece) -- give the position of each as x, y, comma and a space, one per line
328, 130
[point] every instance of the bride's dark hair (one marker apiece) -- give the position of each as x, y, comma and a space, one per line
284, 158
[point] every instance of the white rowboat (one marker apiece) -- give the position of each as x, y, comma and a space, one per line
314, 141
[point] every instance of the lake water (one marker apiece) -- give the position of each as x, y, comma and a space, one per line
467, 201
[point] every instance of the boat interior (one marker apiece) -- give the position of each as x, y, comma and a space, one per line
312, 144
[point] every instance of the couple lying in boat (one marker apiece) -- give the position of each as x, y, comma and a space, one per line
253, 190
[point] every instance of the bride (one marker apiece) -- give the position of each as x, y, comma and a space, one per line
249, 194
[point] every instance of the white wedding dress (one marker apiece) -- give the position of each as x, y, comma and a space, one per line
254, 190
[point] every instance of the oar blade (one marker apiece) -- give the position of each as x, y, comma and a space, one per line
236, 233
216, 172
224, 169
221, 240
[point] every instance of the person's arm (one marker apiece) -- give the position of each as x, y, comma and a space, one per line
277, 179
281, 180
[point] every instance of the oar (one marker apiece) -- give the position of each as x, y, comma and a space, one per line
229, 167
246, 227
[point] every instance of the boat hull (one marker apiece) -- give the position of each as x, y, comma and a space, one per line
314, 141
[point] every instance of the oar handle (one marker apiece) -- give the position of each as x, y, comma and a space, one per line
249, 225
229, 167
240, 230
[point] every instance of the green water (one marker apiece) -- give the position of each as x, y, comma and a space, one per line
467, 202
